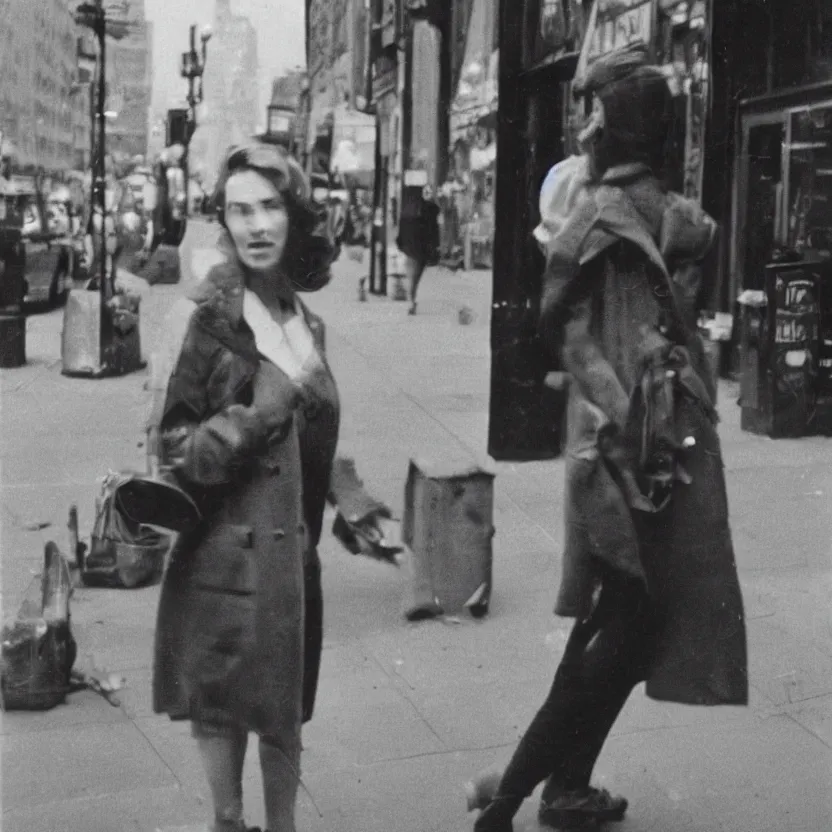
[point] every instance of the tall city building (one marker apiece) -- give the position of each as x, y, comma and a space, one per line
44, 113
130, 84
230, 113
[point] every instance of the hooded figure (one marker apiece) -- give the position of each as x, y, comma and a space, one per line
648, 567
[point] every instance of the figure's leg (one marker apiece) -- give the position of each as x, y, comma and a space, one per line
223, 752
603, 661
281, 776
415, 269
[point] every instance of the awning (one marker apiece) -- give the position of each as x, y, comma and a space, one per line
476, 93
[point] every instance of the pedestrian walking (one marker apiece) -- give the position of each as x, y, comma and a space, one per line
648, 569
418, 237
248, 424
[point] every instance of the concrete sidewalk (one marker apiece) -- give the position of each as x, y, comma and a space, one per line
408, 712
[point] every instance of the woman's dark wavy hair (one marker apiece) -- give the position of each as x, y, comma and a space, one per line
309, 250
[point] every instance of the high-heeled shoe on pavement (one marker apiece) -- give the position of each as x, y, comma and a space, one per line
498, 815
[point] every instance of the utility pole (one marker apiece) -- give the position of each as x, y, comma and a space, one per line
101, 166
193, 68
93, 16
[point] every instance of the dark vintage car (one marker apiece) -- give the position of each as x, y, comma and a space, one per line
12, 253
33, 245
48, 273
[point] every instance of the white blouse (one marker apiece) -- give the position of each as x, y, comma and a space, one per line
282, 337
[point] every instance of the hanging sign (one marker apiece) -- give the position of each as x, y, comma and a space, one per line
619, 24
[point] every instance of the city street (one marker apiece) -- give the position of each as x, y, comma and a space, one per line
408, 712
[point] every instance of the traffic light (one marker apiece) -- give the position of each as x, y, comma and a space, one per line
179, 128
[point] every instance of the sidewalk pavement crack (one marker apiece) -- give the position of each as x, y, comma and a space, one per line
443, 752
531, 521
156, 752
806, 728
410, 702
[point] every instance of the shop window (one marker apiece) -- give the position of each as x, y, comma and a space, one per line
808, 210
762, 201
785, 190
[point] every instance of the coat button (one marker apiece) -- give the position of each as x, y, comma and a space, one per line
279, 534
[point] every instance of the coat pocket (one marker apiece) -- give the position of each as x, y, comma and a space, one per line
225, 561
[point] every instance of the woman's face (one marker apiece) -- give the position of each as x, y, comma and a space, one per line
257, 220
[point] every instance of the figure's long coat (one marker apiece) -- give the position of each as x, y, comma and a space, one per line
230, 630
601, 312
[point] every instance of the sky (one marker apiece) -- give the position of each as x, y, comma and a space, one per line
280, 30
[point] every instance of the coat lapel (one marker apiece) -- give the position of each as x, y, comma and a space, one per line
219, 299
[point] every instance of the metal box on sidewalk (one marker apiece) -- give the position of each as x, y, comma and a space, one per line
783, 390
83, 352
449, 526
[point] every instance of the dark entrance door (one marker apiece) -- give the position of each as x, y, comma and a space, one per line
525, 419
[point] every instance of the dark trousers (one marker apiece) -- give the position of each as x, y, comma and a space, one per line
606, 656
313, 634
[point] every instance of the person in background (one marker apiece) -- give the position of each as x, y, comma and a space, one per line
648, 573
418, 237
105, 224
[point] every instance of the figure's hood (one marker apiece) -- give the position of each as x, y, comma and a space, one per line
580, 218
628, 204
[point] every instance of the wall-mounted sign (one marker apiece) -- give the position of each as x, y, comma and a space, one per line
389, 22
415, 178
385, 76
619, 23
279, 123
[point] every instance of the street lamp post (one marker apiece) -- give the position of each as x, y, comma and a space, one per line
193, 68
112, 357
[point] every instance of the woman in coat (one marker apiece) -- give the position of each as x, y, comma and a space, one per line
418, 237
648, 568
247, 423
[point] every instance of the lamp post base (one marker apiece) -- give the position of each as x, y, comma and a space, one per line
84, 353
12, 341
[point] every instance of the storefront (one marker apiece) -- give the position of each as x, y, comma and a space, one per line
783, 182
467, 196
538, 43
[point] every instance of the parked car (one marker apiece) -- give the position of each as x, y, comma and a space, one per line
12, 252
48, 270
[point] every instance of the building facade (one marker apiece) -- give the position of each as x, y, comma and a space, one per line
230, 113
329, 52
44, 113
768, 164
130, 85
467, 197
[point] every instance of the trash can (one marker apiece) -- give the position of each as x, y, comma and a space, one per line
780, 352
83, 351
449, 527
